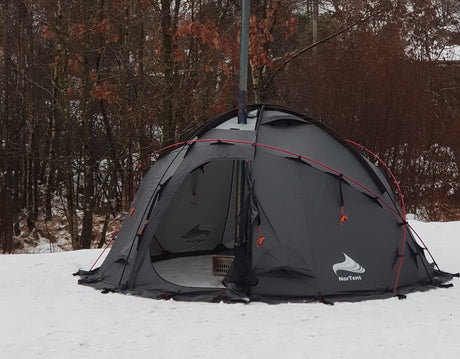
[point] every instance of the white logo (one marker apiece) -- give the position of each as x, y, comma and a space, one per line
348, 265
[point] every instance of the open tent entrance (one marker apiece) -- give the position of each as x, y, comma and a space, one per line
199, 223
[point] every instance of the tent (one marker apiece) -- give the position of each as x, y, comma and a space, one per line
288, 208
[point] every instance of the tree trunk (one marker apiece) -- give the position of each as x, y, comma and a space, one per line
71, 208
88, 161
315, 15
168, 30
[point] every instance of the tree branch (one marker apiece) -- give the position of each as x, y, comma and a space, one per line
319, 42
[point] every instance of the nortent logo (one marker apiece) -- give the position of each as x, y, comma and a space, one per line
348, 265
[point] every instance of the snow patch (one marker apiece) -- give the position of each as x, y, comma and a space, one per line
45, 314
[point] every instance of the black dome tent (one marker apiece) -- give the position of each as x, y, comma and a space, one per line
317, 220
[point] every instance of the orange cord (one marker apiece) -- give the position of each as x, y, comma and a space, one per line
344, 216
261, 237
260, 241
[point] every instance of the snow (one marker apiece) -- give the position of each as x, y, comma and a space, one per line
45, 314
450, 53
232, 124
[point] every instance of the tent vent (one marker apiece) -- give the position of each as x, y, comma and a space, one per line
221, 264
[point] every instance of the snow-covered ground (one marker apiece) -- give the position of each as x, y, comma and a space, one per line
45, 314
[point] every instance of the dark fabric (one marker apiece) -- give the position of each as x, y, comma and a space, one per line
240, 272
318, 220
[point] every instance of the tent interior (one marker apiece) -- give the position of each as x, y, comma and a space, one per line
193, 271
199, 223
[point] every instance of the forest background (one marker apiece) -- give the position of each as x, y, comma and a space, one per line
90, 89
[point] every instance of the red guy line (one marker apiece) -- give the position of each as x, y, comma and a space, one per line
403, 207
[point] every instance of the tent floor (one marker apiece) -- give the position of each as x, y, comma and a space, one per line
193, 271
